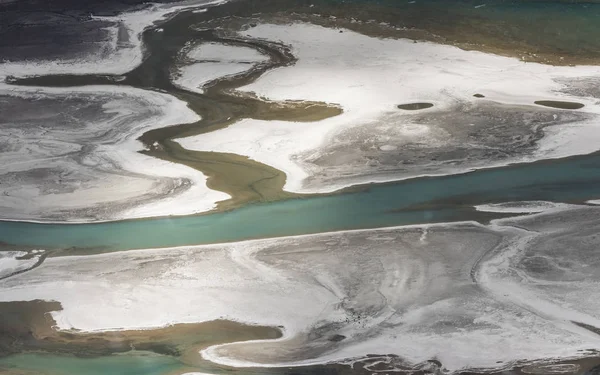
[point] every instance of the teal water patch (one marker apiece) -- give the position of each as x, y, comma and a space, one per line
128, 364
408, 202
567, 26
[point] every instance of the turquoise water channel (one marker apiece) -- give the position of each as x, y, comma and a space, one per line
421, 200
132, 363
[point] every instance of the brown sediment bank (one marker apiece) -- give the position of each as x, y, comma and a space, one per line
245, 180
28, 327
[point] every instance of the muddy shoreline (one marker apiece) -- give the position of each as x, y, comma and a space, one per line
29, 327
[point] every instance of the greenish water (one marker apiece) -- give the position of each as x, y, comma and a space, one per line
560, 26
567, 180
133, 363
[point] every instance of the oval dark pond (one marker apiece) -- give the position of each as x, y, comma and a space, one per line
559, 104
415, 106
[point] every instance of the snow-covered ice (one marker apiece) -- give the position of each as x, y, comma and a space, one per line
373, 140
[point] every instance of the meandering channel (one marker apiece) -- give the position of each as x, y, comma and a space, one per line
243, 179
434, 199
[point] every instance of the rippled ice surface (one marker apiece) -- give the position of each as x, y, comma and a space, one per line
71, 154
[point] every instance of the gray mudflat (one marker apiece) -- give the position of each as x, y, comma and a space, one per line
402, 145
57, 156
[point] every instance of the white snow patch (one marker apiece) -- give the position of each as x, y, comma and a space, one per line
521, 207
213, 61
10, 264
120, 152
193, 77
368, 77
225, 52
